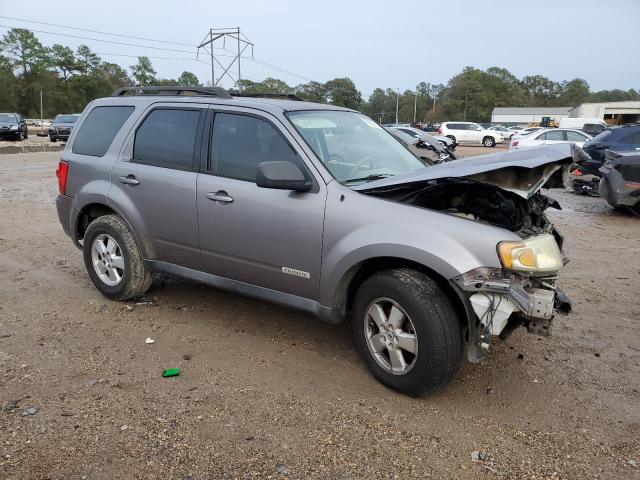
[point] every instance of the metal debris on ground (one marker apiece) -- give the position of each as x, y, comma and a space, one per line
32, 410
149, 340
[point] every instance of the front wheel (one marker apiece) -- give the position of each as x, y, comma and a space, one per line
113, 260
407, 331
453, 140
489, 142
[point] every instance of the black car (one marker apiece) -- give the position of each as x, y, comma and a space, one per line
620, 182
62, 125
623, 139
13, 127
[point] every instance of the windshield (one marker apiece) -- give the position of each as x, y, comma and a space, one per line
353, 147
66, 118
7, 118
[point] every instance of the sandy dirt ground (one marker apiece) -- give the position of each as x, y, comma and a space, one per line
267, 392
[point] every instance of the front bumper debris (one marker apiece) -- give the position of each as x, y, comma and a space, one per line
499, 302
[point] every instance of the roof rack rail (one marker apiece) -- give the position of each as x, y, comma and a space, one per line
285, 96
171, 90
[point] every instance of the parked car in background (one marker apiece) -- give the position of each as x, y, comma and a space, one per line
594, 129
469, 132
417, 133
620, 180
486, 125
506, 133
13, 127
623, 139
62, 126
526, 131
550, 137
424, 146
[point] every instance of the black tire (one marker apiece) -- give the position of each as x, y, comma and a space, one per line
26, 134
53, 140
434, 320
453, 140
19, 137
489, 142
136, 278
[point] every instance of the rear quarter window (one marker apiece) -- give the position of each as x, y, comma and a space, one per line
99, 129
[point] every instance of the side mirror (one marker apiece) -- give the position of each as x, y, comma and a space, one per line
283, 176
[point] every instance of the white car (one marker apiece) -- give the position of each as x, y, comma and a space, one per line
506, 134
521, 132
468, 132
549, 137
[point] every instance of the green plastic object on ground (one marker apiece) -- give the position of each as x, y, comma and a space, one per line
171, 372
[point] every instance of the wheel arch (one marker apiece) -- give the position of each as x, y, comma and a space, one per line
354, 277
93, 210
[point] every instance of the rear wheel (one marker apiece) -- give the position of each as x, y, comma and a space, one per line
53, 139
113, 260
407, 331
489, 142
453, 140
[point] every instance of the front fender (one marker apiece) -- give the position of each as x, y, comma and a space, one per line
359, 227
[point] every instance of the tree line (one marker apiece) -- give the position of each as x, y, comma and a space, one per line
71, 79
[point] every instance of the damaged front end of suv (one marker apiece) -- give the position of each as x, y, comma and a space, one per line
502, 190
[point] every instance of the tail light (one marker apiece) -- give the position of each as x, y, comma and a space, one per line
577, 172
61, 173
515, 143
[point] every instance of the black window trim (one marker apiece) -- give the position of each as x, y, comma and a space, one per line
196, 143
207, 148
77, 130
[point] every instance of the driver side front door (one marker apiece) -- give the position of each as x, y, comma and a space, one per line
261, 236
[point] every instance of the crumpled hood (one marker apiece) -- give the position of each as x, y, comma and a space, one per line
522, 172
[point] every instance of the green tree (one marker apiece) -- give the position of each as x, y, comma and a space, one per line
188, 78
143, 72
312, 92
64, 61
24, 51
343, 92
573, 92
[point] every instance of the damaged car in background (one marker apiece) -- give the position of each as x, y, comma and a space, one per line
620, 181
426, 147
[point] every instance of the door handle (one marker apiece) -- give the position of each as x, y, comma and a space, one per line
129, 180
220, 196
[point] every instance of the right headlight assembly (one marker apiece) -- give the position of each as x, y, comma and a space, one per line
538, 254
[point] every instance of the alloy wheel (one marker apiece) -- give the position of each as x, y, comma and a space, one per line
391, 336
107, 259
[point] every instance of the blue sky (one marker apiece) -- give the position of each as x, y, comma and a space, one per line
375, 43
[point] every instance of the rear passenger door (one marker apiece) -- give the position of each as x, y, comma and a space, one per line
261, 236
154, 181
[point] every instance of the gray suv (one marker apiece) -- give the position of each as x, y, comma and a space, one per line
321, 209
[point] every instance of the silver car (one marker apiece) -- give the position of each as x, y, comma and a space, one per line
550, 136
318, 208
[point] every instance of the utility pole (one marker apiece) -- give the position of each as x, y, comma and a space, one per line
242, 43
397, 105
41, 116
415, 107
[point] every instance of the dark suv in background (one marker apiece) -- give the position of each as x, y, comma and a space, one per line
13, 127
62, 126
622, 139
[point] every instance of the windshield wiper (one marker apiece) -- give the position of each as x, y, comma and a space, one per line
369, 178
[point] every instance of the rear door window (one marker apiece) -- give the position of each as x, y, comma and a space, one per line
167, 138
553, 135
576, 137
99, 129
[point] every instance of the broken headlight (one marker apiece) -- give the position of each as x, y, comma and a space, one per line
539, 254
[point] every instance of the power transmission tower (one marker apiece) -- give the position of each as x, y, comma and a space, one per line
219, 36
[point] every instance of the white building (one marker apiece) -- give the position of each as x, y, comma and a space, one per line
525, 115
610, 112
